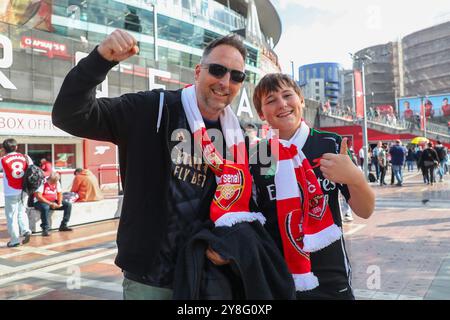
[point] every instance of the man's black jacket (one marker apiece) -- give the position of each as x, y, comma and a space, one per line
255, 259
131, 122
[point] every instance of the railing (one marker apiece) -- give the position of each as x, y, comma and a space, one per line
392, 122
108, 168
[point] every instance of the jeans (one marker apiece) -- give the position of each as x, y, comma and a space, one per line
45, 213
397, 170
16, 217
441, 169
410, 165
377, 167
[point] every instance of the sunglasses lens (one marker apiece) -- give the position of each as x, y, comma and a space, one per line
237, 76
217, 70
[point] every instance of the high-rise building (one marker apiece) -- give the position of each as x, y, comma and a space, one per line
416, 66
322, 82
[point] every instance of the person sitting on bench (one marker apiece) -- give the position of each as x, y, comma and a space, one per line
49, 197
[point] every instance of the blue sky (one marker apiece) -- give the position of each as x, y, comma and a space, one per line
327, 30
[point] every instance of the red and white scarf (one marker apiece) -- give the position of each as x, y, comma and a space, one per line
304, 217
234, 181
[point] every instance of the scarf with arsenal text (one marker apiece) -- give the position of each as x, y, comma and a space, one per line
231, 200
305, 220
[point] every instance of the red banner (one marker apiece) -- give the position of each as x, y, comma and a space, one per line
359, 94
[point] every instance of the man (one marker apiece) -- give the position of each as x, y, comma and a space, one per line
252, 133
398, 154
375, 160
383, 163
445, 107
408, 113
279, 101
429, 111
164, 200
361, 157
441, 151
429, 162
46, 166
85, 184
14, 164
49, 197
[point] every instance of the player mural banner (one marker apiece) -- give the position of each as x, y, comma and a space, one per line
433, 106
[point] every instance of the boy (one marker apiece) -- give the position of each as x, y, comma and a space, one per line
279, 101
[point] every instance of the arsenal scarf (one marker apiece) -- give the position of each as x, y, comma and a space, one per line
234, 181
304, 217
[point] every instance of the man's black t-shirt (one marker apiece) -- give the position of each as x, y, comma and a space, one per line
330, 265
191, 183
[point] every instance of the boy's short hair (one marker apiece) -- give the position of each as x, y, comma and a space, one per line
231, 40
10, 145
272, 82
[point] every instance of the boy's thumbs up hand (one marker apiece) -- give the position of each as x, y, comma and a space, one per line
344, 147
339, 168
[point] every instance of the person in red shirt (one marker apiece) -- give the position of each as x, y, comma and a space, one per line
429, 112
445, 107
408, 113
49, 197
46, 166
14, 164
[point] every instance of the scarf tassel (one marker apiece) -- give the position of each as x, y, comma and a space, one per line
305, 281
317, 241
231, 218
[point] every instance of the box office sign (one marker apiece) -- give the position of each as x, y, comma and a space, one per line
22, 124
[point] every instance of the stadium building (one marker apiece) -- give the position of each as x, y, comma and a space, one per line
42, 40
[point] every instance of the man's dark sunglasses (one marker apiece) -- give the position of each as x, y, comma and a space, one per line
219, 71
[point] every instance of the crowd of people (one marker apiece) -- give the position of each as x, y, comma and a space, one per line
432, 160
19, 172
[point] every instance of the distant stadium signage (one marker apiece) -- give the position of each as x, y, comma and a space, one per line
49, 48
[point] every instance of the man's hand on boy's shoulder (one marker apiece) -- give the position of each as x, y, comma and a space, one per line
339, 168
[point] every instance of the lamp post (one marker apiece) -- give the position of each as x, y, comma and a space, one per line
365, 147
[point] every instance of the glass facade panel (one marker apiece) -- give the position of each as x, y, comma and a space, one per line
40, 151
65, 156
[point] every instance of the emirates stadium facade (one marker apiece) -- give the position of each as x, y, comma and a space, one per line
42, 40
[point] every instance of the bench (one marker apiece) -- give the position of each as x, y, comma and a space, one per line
82, 213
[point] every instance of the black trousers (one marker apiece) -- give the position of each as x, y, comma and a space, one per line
382, 174
429, 174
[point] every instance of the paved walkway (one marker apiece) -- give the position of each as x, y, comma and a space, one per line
74, 265
401, 252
